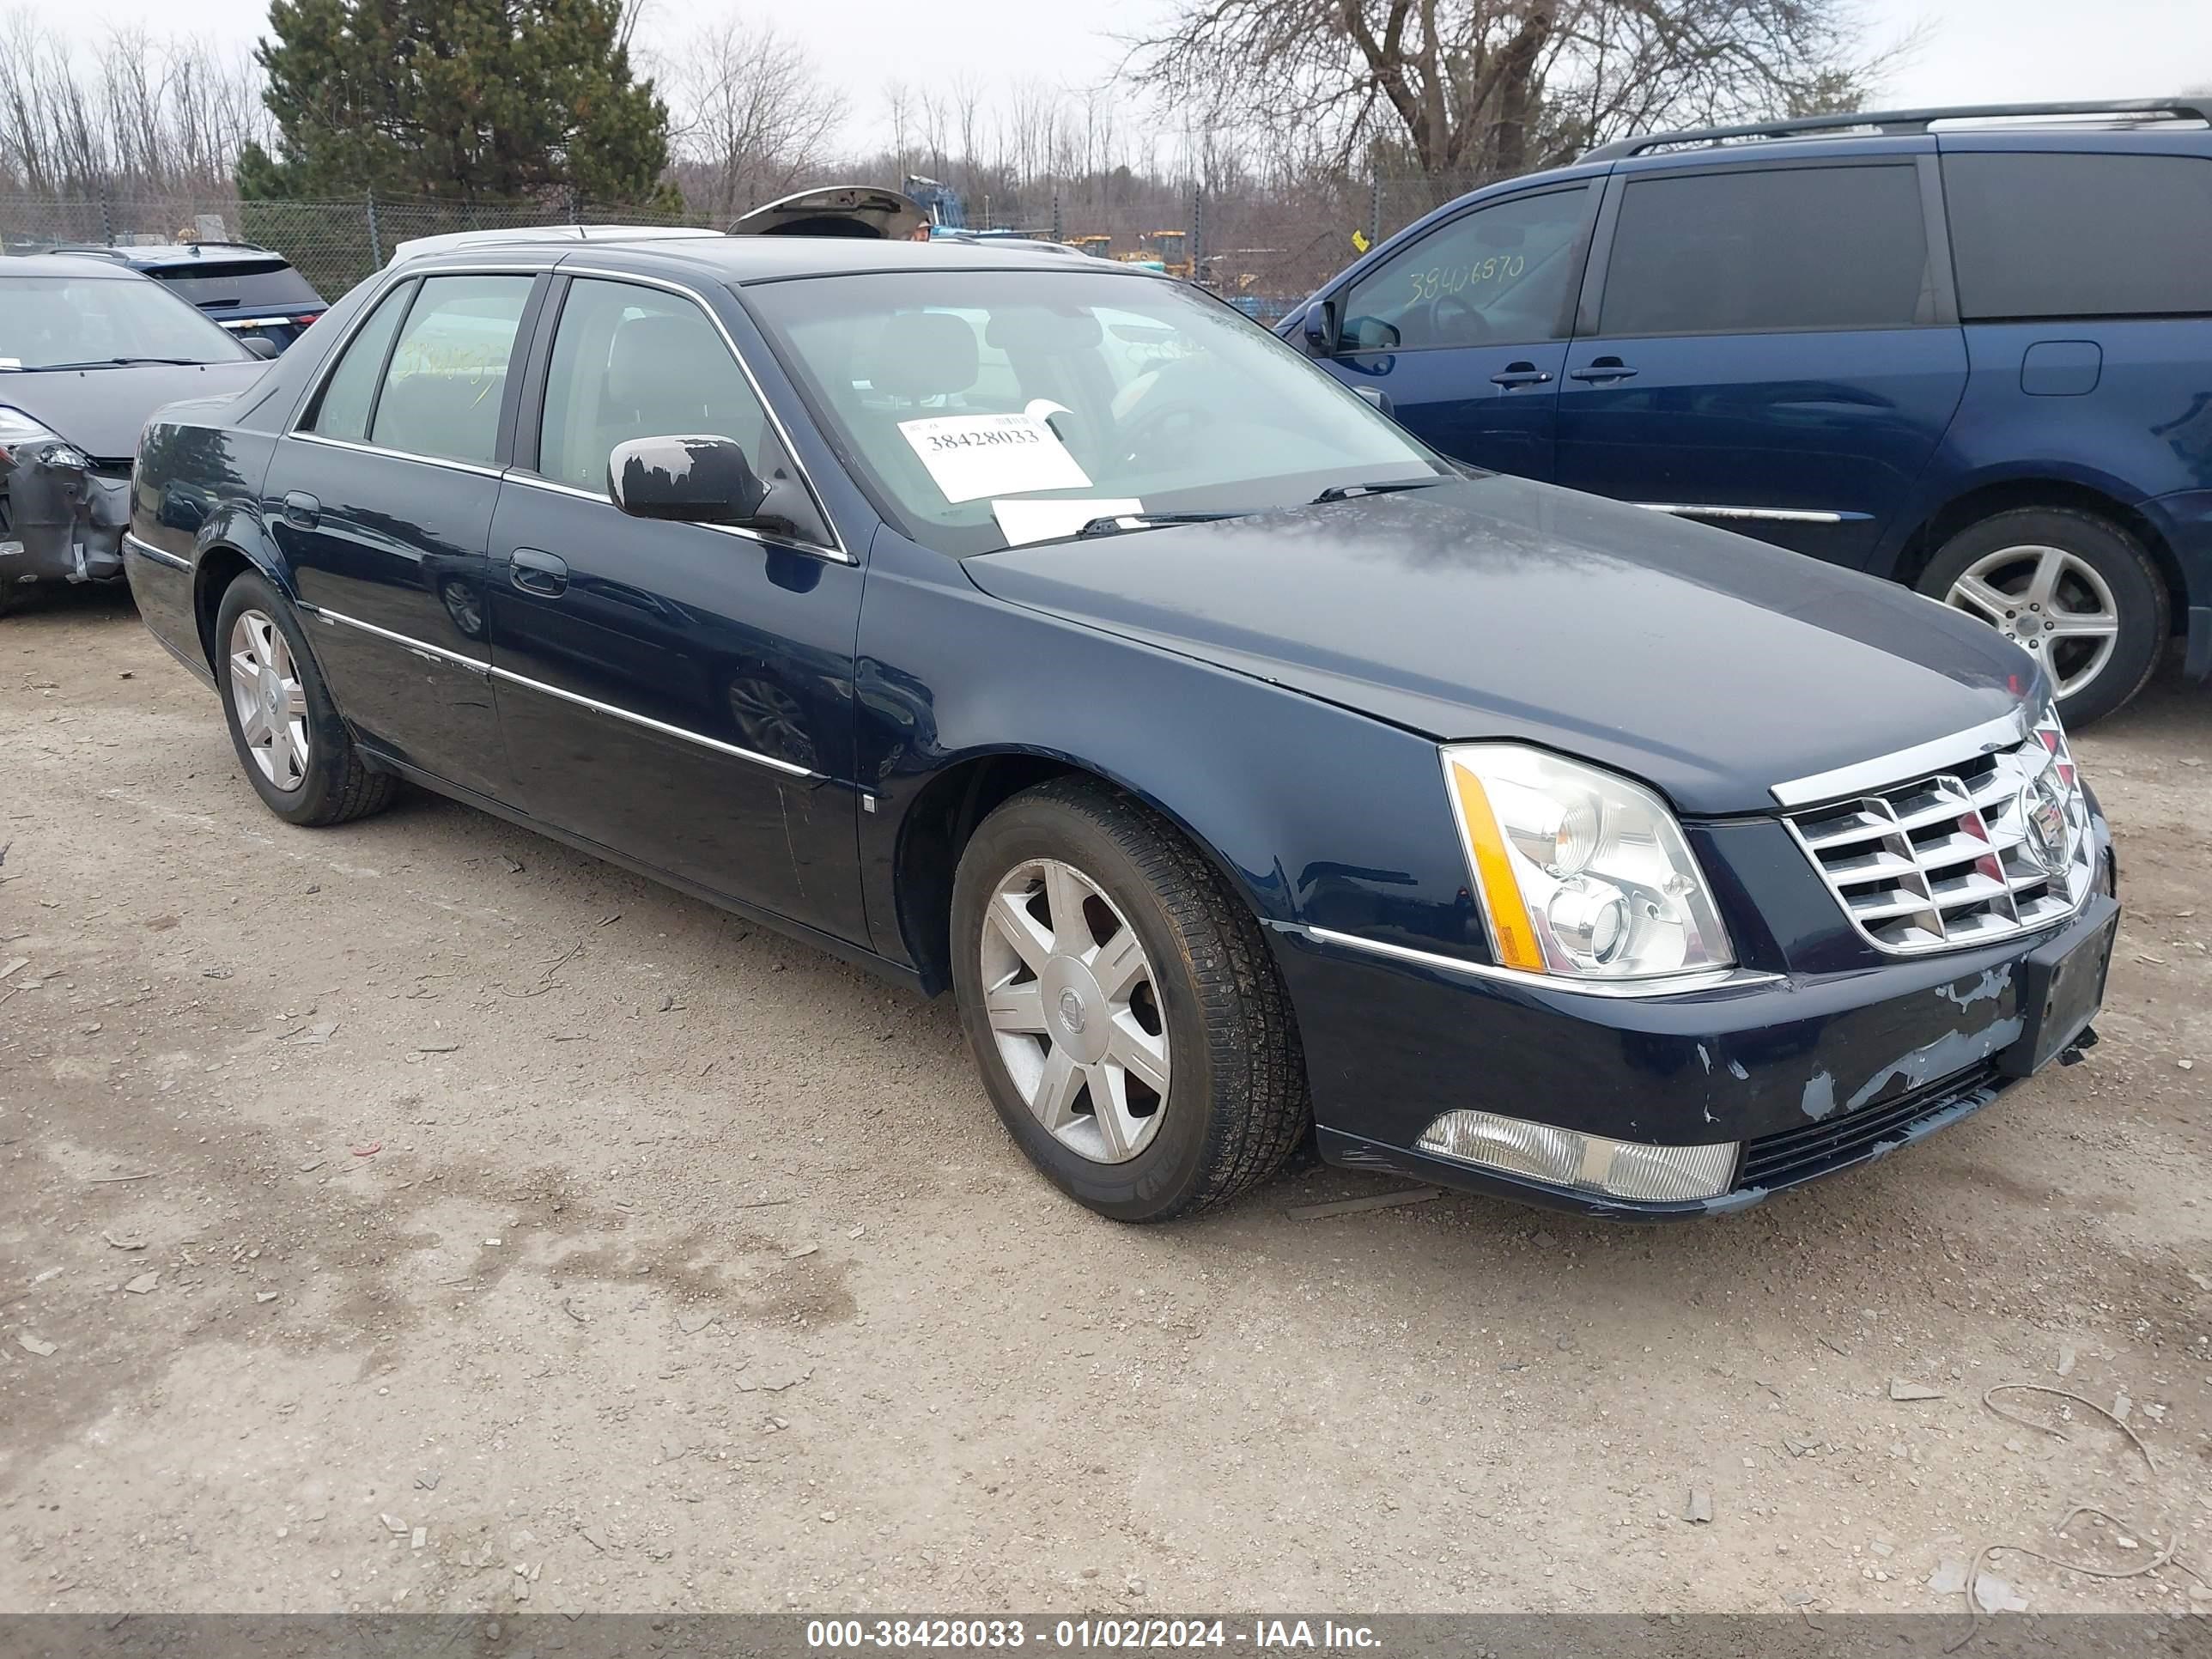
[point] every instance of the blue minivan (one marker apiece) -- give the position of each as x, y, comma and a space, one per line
1969, 350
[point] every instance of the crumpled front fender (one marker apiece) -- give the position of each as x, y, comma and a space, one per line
66, 520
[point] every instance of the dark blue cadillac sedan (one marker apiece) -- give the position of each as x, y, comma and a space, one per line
1049, 632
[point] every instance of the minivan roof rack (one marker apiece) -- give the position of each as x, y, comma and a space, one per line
1889, 122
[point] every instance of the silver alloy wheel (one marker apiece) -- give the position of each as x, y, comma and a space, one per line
2049, 601
271, 703
1075, 1010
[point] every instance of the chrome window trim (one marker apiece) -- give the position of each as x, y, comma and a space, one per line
406, 641
146, 549
813, 549
489, 671
480, 472
1673, 985
1767, 514
783, 433
328, 366
1885, 771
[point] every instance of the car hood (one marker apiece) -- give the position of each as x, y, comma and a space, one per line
101, 410
1711, 665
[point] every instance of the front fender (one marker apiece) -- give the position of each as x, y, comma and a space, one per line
1317, 815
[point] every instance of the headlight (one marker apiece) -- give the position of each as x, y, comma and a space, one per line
17, 429
1580, 873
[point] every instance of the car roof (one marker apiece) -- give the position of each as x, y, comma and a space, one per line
742, 259
177, 253
522, 236
67, 265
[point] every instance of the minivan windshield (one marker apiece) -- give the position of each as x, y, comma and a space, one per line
100, 322
994, 408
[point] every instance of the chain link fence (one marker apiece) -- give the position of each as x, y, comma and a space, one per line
1263, 249
334, 244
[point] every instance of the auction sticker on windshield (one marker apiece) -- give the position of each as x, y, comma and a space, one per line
971, 456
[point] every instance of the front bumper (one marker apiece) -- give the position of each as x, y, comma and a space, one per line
1813, 1073
66, 517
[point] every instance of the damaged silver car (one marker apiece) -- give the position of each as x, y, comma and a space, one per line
89, 350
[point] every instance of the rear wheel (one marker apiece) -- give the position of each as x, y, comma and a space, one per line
2073, 590
1121, 1005
296, 751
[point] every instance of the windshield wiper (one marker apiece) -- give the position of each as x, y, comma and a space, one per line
1387, 486
1116, 524
126, 363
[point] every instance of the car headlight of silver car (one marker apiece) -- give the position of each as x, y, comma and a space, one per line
1580, 873
19, 431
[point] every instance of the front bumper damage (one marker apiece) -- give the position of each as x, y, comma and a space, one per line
62, 516
1811, 1073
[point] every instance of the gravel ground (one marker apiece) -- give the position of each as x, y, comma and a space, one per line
421, 1214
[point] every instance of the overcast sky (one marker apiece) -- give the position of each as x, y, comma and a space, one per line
1976, 51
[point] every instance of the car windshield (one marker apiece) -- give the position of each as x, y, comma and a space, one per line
56, 322
991, 408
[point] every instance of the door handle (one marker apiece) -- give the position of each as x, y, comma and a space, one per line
1520, 374
1603, 369
301, 510
538, 573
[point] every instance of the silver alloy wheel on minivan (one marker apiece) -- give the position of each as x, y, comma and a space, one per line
2046, 600
271, 703
1075, 1011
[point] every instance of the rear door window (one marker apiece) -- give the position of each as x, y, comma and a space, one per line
343, 411
1757, 250
1497, 275
442, 394
2035, 234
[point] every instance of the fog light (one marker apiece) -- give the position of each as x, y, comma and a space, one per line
1563, 1158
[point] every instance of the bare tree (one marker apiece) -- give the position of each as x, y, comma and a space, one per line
1465, 87
131, 116
753, 118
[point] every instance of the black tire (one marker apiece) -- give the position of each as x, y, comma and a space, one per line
338, 785
1236, 1104
2138, 592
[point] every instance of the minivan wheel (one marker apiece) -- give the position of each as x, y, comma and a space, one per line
295, 751
2075, 590
1121, 1005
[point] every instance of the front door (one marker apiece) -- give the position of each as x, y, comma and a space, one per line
382, 503
1773, 352
1465, 328
680, 692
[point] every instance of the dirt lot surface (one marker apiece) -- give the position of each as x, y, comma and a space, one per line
423, 1215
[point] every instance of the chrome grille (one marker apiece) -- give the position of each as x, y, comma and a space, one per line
1967, 855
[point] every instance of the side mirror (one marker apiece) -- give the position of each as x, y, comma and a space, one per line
260, 345
1321, 328
1377, 395
698, 480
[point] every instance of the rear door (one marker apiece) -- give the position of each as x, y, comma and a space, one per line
1465, 328
1773, 348
2084, 281
679, 693
381, 500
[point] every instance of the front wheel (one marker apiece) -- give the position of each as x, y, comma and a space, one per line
296, 751
1122, 1008
2073, 590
